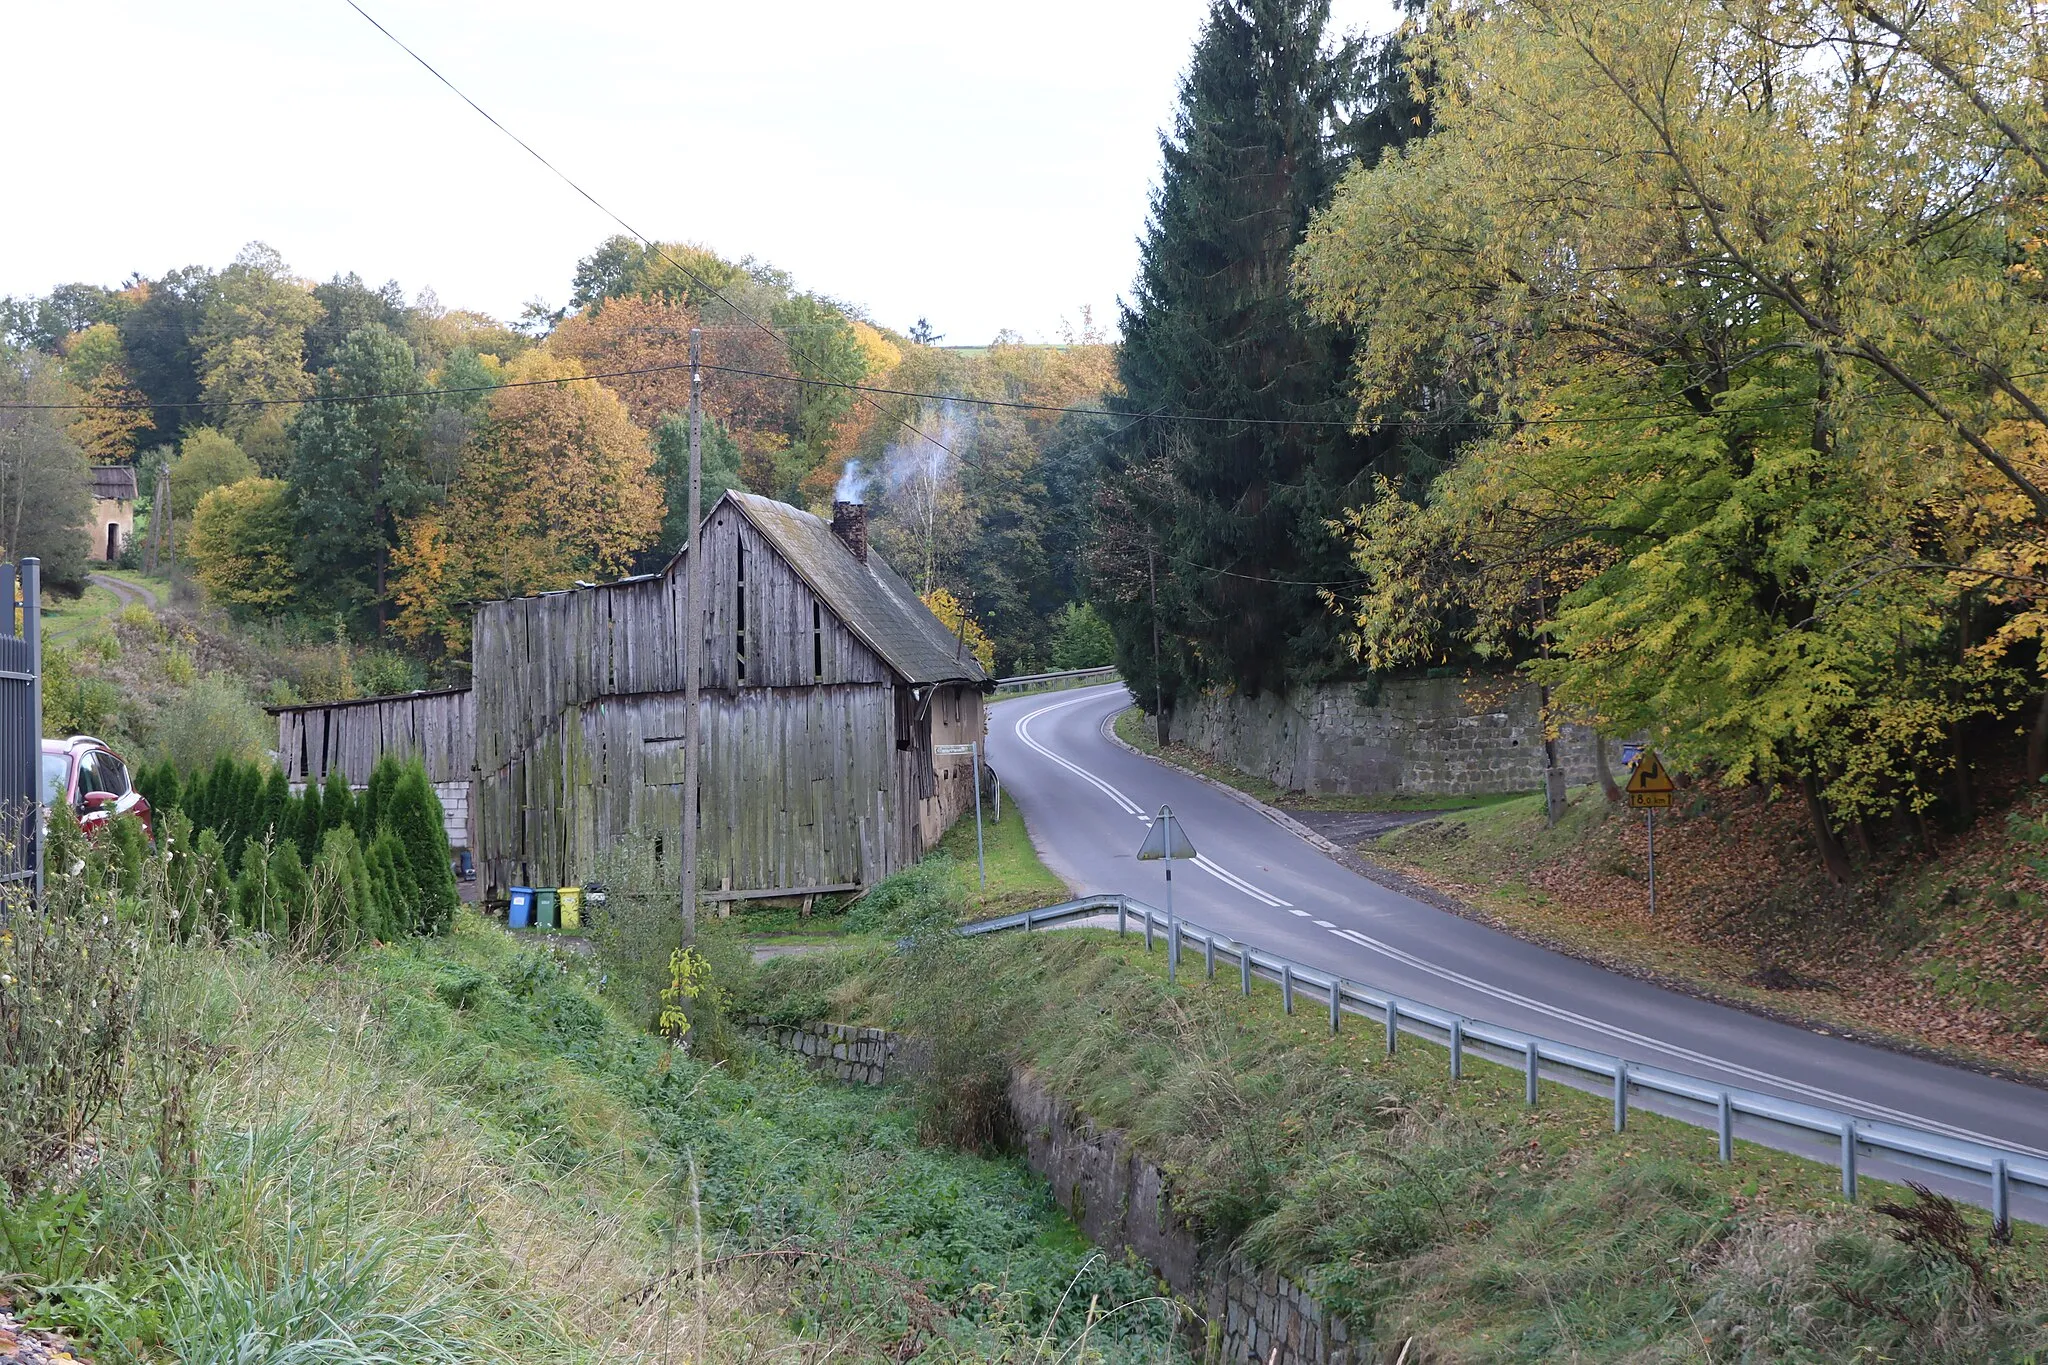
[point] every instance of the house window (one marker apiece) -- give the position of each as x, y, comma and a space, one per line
817, 642
739, 623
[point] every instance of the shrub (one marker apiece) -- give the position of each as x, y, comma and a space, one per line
70, 995
920, 897
212, 718
639, 927
413, 813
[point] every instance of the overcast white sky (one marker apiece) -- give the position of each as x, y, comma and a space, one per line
986, 166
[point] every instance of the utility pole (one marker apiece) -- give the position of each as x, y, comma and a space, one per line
693, 645
1158, 688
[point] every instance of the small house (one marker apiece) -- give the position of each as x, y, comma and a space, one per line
113, 509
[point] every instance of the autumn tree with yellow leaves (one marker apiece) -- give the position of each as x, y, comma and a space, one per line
1747, 302
553, 487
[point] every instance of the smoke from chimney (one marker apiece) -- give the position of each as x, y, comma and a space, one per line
850, 524
850, 484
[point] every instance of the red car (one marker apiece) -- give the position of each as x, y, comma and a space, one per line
92, 777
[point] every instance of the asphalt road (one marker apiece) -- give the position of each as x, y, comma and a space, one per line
1087, 800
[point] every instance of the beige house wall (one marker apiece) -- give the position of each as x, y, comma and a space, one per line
110, 513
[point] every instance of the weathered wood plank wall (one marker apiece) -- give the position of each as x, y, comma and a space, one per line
579, 723
350, 736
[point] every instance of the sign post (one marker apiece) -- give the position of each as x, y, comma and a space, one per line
1649, 790
1166, 841
974, 752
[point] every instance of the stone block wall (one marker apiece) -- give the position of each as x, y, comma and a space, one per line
843, 1052
1124, 1201
1408, 737
1121, 1201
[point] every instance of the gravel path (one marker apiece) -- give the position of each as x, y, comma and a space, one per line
125, 591
20, 1342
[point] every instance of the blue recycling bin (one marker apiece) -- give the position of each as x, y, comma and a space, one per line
520, 913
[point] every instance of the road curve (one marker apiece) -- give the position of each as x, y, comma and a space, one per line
1086, 801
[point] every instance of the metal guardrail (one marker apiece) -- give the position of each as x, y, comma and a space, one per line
1072, 677
1672, 1093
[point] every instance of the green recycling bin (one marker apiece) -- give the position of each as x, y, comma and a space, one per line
545, 903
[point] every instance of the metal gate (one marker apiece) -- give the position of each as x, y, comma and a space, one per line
21, 728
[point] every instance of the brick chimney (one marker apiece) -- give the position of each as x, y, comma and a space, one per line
850, 524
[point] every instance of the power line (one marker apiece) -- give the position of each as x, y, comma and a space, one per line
644, 239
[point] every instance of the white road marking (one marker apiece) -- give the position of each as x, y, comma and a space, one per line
1229, 878
1830, 1098
1023, 731
1222, 874
1302, 913
1324, 924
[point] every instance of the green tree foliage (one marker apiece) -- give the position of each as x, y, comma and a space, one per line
208, 458
252, 340
359, 469
1082, 639
1767, 473
243, 542
42, 324
990, 504
1235, 516
160, 338
45, 484
347, 306
721, 472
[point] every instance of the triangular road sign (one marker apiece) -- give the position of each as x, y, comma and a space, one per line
1648, 776
1167, 839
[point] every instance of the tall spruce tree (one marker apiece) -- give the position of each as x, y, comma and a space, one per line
1225, 518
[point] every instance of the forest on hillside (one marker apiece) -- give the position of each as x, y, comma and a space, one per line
343, 459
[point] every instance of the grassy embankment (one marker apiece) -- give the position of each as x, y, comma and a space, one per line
454, 1150
1948, 952
1445, 1213
1017, 880
1135, 729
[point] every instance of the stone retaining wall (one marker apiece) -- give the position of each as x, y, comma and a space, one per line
841, 1051
1409, 737
1122, 1201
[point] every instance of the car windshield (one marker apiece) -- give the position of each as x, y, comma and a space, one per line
56, 768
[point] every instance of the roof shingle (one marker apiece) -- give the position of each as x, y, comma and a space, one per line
113, 482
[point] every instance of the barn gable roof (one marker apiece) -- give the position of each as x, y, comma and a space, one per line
875, 604
113, 482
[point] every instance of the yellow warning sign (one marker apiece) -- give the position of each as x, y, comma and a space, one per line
1649, 785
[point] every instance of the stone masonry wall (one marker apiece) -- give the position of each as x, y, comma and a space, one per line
1411, 737
841, 1051
1120, 1200
1124, 1201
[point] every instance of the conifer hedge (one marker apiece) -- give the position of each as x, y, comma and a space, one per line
322, 866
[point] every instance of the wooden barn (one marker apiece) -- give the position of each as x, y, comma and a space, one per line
828, 688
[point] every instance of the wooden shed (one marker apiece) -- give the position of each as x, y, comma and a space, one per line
349, 737
828, 690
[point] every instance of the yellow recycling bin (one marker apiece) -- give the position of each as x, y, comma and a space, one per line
572, 908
